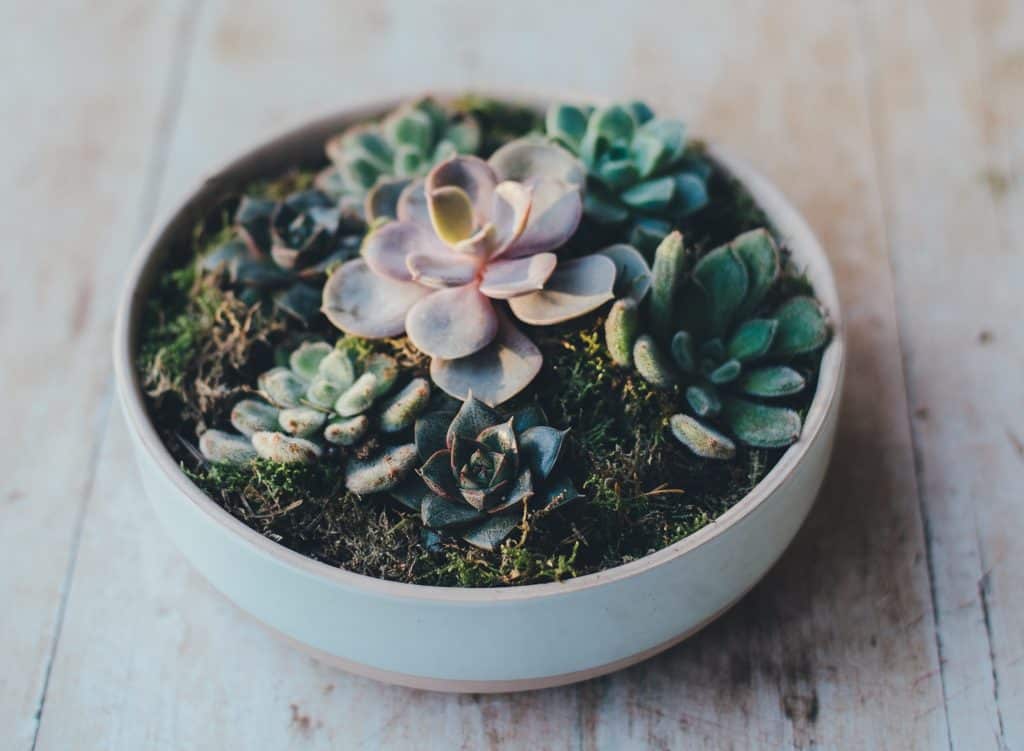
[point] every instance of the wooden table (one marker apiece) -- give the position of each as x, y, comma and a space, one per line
895, 621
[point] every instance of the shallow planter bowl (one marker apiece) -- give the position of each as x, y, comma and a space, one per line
478, 640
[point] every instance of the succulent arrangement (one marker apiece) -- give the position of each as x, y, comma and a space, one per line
705, 329
638, 170
455, 280
371, 163
284, 249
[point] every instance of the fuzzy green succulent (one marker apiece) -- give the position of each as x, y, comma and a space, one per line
709, 331
480, 471
639, 172
325, 395
284, 249
372, 163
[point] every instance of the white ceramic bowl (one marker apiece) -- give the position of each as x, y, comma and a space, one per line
479, 640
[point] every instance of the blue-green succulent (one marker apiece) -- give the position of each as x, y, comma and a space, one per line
371, 163
482, 471
282, 250
715, 331
639, 171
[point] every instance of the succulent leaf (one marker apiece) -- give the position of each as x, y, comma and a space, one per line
303, 422
305, 360
651, 364
633, 276
219, 447
702, 440
726, 372
723, 276
471, 419
401, 411
489, 534
540, 447
760, 425
802, 327
621, 329
703, 400
363, 303
774, 381
358, 397
383, 472
282, 387
682, 352
440, 513
430, 433
278, 447
411, 493
347, 431
760, 255
252, 416
752, 339
669, 263
575, 288
559, 491
651, 196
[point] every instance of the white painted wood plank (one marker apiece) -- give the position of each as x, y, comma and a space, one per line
949, 90
836, 649
80, 104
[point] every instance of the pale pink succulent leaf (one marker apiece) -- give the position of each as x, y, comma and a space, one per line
574, 289
386, 249
480, 245
471, 174
494, 374
451, 213
361, 302
452, 323
510, 213
412, 204
531, 158
503, 279
439, 271
554, 216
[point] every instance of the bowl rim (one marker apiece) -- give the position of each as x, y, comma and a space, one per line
128, 317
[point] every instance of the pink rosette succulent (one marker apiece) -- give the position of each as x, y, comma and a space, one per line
473, 243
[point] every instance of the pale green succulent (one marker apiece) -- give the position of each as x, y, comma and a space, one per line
638, 169
282, 250
480, 470
372, 163
325, 395
708, 331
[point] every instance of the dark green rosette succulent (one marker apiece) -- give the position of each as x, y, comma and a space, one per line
711, 332
639, 171
371, 163
282, 250
482, 471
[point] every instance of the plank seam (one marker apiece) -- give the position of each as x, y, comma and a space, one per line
170, 106
869, 75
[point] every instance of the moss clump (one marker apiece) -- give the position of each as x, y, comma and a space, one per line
201, 347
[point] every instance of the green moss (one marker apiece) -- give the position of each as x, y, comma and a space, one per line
201, 348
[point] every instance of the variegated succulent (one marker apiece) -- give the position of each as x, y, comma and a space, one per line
326, 395
473, 248
371, 163
638, 169
284, 248
706, 330
480, 471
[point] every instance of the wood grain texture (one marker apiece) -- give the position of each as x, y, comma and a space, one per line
79, 127
948, 87
903, 150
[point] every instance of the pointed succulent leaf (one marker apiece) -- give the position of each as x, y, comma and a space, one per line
617, 173
385, 370
651, 364
760, 255
490, 533
528, 417
575, 288
647, 152
437, 474
651, 196
802, 327
607, 125
540, 447
402, 409
703, 400
691, 194
411, 493
500, 438
430, 433
361, 302
251, 416
760, 425
452, 323
497, 372
632, 274
282, 387
303, 422
358, 397
566, 123
471, 419
621, 329
440, 513
668, 272
300, 301
724, 277
772, 381
558, 491
305, 360
703, 441
219, 447
518, 492
253, 221
347, 431
670, 133
647, 233
381, 473
682, 352
286, 449
727, 372
752, 339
